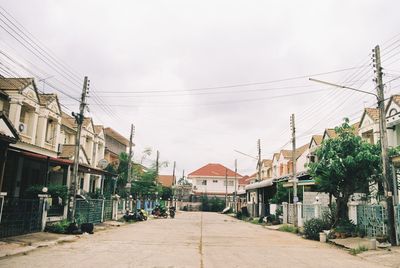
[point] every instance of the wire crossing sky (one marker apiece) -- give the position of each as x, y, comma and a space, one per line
202, 79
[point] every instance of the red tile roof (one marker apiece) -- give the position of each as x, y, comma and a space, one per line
214, 170
244, 180
165, 180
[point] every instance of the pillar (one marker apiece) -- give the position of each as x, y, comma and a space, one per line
285, 211
41, 131
44, 200
15, 112
317, 209
353, 211
299, 214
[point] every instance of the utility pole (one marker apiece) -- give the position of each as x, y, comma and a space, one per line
234, 194
226, 187
79, 120
173, 183
259, 159
294, 175
157, 160
387, 182
128, 184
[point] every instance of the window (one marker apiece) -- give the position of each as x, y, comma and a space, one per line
215, 181
50, 132
230, 183
201, 182
81, 183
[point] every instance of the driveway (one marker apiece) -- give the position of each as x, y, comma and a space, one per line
192, 239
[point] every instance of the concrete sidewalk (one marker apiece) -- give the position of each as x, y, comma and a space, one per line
23, 244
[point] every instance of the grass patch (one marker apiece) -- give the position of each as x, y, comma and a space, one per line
358, 250
288, 228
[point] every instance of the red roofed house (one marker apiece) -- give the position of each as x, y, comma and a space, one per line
211, 180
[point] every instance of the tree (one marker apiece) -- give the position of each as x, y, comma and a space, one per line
146, 184
282, 194
346, 165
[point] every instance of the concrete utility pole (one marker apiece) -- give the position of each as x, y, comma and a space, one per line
388, 184
157, 160
234, 194
128, 183
294, 175
259, 159
226, 187
173, 183
79, 120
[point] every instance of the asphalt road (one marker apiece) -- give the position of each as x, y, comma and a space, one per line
192, 239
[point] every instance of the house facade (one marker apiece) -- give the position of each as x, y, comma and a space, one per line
214, 180
115, 145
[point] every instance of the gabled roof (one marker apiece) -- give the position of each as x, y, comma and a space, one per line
46, 99
244, 180
275, 156
395, 99
7, 130
214, 170
356, 127
330, 132
317, 139
288, 154
98, 129
267, 162
15, 83
165, 180
68, 152
68, 121
114, 134
373, 113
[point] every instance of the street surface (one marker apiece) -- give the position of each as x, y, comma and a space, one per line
192, 239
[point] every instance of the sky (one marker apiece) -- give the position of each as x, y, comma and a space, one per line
201, 79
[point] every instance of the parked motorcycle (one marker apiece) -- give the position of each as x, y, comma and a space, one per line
159, 211
172, 212
141, 215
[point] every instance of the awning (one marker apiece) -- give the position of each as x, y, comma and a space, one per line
241, 192
260, 184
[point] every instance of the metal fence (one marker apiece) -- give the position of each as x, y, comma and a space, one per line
108, 207
89, 211
372, 218
21, 216
398, 222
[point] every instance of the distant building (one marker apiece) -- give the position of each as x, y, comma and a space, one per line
115, 145
214, 180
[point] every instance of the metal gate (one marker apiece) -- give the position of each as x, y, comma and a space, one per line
21, 216
89, 211
108, 207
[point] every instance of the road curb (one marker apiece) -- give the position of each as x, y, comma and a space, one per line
26, 249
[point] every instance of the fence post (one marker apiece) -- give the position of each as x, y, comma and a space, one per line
115, 207
285, 210
44, 199
353, 211
299, 214
102, 209
317, 210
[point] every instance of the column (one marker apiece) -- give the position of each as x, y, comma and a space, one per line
317, 210
353, 211
299, 214
44, 200
57, 134
15, 112
41, 131
285, 212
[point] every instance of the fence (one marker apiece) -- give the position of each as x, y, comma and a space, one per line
372, 218
398, 222
21, 216
108, 207
89, 211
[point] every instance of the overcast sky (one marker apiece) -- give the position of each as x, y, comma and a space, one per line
161, 65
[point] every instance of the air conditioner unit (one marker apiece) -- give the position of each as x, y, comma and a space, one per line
22, 128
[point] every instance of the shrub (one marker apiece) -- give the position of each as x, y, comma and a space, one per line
289, 229
53, 190
313, 227
360, 249
58, 227
346, 226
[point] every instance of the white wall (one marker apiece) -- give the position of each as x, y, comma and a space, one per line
213, 187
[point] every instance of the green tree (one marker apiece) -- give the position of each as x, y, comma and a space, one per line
346, 164
146, 184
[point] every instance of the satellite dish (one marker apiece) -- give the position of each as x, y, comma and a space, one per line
103, 163
21, 127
